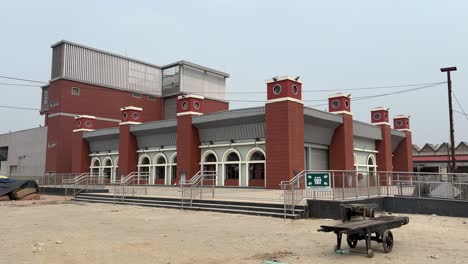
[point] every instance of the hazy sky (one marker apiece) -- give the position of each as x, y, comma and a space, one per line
330, 44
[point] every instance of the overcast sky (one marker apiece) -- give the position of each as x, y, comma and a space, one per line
330, 44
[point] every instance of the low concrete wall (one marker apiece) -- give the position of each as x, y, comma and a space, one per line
61, 190
407, 205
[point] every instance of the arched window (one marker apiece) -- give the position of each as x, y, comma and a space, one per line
107, 170
160, 169
144, 165
209, 162
231, 168
256, 167
173, 166
95, 168
372, 168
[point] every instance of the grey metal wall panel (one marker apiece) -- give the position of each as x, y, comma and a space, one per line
202, 83
233, 132
364, 143
104, 144
157, 140
317, 134
89, 65
396, 141
57, 61
365, 130
170, 108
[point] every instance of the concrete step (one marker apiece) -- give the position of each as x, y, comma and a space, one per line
250, 208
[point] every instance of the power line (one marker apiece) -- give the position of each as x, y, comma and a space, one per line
19, 107
18, 84
20, 79
459, 105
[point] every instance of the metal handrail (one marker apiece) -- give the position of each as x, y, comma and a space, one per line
130, 179
292, 192
198, 181
81, 179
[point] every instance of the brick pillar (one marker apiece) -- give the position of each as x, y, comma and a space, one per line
128, 145
188, 141
341, 149
284, 130
379, 117
403, 154
80, 147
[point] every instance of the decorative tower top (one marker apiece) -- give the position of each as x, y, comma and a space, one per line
379, 116
339, 103
401, 122
84, 123
284, 88
190, 104
131, 115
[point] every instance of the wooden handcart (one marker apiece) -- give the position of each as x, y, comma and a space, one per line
376, 229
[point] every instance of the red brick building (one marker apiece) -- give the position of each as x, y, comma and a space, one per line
112, 115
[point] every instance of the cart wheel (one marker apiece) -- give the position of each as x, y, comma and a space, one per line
352, 241
370, 253
387, 241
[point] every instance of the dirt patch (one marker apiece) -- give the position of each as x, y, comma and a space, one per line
278, 255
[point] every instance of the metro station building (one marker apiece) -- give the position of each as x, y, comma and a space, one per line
111, 115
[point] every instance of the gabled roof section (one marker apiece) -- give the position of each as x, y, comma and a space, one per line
463, 146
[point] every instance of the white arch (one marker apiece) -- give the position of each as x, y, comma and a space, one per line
171, 160
105, 161
371, 157
156, 165
116, 161
252, 151
248, 161
155, 161
94, 160
208, 152
227, 152
140, 160
224, 162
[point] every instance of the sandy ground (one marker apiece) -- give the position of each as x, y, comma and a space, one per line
69, 232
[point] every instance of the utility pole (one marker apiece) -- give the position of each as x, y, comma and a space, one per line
452, 131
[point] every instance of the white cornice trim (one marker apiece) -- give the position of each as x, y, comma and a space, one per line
381, 123
404, 129
365, 150
379, 109
75, 115
155, 150
342, 112
282, 78
401, 117
339, 95
82, 130
190, 96
189, 113
129, 123
131, 108
282, 99
233, 144
103, 154
85, 116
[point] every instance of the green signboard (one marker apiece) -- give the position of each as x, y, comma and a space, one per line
319, 181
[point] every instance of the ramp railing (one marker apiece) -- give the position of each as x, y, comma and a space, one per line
345, 184
201, 182
80, 183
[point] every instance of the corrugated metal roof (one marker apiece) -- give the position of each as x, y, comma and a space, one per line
314, 114
398, 133
366, 130
161, 126
231, 117
102, 133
